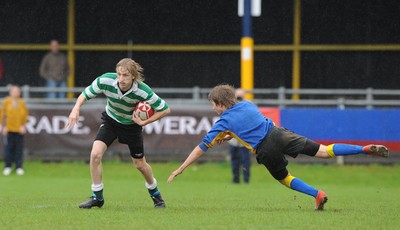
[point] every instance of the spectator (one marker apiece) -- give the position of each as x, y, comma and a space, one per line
240, 155
54, 69
13, 117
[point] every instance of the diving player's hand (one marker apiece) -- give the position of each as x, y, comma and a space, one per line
173, 175
226, 138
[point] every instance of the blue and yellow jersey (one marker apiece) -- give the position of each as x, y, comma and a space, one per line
242, 121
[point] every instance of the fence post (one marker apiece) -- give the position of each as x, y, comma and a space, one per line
281, 97
341, 106
370, 98
25, 92
196, 93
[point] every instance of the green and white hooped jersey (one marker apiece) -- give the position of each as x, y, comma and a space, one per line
120, 106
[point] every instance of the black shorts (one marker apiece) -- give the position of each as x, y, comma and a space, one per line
278, 143
132, 135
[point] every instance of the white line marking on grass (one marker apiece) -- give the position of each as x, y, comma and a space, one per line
43, 206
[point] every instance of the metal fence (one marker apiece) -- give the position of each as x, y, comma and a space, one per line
277, 97
196, 97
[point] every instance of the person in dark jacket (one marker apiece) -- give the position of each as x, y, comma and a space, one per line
54, 69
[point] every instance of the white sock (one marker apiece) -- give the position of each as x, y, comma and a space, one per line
97, 187
151, 186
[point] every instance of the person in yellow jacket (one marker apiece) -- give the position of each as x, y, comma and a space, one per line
13, 117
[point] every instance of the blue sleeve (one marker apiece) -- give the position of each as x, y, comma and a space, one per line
216, 132
203, 146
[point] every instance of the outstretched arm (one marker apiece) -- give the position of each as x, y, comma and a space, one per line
74, 115
194, 155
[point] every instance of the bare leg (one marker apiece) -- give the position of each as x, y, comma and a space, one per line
322, 152
145, 169
96, 168
96, 171
151, 183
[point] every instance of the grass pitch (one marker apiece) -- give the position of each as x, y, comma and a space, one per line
47, 197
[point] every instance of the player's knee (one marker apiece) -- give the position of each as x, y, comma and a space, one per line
280, 175
95, 157
97, 151
140, 164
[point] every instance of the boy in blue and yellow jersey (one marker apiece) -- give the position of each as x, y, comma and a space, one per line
240, 155
124, 90
243, 121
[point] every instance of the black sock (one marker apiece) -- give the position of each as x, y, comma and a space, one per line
154, 192
99, 195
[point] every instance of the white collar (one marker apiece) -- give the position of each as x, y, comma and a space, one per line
133, 88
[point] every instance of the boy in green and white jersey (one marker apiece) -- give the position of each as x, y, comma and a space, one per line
123, 89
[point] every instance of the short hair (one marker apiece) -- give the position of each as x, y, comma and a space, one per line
12, 88
133, 68
223, 94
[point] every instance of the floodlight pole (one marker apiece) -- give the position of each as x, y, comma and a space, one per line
247, 51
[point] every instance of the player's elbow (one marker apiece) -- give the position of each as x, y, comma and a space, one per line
167, 111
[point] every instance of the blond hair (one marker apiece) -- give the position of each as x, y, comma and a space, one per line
223, 95
132, 67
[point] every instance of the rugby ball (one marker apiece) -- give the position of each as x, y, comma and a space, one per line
143, 110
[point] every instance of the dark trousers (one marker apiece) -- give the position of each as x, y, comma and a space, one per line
13, 149
240, 156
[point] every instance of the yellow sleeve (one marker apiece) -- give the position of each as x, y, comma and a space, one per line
3, 112
25, 113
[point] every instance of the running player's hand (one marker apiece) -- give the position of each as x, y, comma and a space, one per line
73, 118
137, 120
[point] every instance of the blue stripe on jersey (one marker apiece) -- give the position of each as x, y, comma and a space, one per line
242, 121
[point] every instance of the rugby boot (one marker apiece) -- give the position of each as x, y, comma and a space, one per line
320, 200
92, 202
376, 150
158, 201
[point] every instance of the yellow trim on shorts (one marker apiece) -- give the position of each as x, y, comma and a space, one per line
288, 179
329, 149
